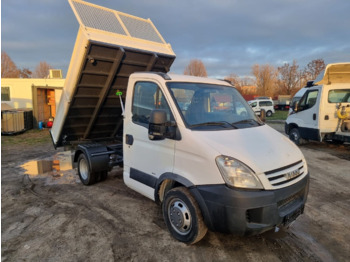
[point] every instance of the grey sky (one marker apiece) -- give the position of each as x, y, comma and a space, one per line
229, 36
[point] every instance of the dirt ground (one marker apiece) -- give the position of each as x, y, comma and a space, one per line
53, 217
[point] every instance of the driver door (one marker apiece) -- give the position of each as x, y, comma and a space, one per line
146, 160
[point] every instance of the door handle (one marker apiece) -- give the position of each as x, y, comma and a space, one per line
129, 139
314, 116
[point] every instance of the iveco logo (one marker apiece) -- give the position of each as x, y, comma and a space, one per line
292, 174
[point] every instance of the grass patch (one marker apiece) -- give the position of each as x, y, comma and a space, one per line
30, 137
278, 115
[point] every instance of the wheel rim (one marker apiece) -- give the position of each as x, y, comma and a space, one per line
179, 216
83, 169
295, 136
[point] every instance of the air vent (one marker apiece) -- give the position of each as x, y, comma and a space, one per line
55, 73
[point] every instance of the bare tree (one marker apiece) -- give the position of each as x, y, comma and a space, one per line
8, 67
25, 73
196, 68
42, 70
266, 79
313, 68
289, 78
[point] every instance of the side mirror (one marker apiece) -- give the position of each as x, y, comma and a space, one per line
157, 125
263, 115
295, 107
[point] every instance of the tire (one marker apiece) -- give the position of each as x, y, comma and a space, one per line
182, 216
84, 172
268, 113
294, 135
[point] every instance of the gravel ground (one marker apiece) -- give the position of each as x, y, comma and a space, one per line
53, 217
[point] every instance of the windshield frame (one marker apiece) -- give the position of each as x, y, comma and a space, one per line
252, 121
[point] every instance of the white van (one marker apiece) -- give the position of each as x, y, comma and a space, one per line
323, 112
266, 104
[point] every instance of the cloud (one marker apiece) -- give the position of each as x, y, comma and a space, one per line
228, 36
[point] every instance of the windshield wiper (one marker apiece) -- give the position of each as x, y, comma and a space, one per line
219, 123
247, 121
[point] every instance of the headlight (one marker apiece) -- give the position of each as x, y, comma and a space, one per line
237, 174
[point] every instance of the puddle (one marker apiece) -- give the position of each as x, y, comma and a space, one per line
60, 167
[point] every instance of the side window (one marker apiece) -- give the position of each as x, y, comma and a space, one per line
5, 93
265, 103
253, 104
308, 100
147, 97
339, 96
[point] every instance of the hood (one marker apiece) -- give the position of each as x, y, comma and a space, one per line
261, 148
334, 73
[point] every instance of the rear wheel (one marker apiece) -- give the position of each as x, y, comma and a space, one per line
183, 216
268, 113
84, 172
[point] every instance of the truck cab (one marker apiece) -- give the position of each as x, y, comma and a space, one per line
206, 147
323, 112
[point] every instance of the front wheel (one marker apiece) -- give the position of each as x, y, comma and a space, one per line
183, 216
294, 135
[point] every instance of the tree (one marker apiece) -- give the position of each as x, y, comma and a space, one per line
196, 68
266, 79
313, 69
42, 70
25, 73
8, 67
10, 70
289, 78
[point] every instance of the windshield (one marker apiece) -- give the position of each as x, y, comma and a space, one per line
212, 107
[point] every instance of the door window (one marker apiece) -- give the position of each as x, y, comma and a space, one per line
147, 97
265, 103
308, 100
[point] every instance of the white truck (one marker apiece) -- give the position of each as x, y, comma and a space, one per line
191, 144
323, 112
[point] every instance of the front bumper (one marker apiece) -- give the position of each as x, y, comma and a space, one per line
244, 212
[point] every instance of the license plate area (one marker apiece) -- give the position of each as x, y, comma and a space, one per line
288, 219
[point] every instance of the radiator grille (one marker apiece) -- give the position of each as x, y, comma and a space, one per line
286, 203
279, 177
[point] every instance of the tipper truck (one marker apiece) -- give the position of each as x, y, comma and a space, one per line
191, 144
